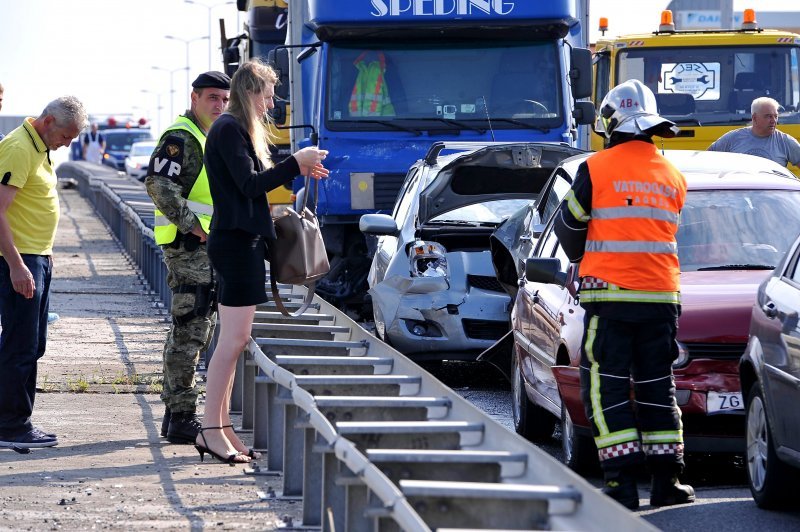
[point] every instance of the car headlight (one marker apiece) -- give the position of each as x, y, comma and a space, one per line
428, 259
683, 355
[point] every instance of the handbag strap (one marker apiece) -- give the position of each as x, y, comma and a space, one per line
306, 300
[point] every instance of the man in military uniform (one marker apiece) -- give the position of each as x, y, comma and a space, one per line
176, 181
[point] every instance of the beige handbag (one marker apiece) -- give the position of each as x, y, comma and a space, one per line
298, 254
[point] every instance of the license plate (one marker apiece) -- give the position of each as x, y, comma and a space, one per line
724, 403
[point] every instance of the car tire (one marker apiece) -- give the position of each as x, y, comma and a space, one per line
770, 479
530, 421
579, 450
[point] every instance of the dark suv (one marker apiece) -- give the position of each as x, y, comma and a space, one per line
118, 145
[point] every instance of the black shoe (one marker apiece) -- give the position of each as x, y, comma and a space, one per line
623, 490
668, 491
165, 423
183, 428
232, 458
33, 439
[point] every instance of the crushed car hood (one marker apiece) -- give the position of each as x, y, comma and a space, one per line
503, 171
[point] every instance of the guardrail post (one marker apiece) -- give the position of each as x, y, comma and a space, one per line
293, 450
312, 481
276, 424
357, 498
248, 391
333, 494
238, 383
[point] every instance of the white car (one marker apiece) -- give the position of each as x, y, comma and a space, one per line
434, 291
138, 158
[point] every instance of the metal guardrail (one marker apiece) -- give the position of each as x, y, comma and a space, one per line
368, 439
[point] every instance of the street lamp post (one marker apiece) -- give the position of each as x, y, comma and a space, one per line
209, 8
186, 43
158, 107
171, 73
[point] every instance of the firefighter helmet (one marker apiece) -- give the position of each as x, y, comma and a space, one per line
631, 107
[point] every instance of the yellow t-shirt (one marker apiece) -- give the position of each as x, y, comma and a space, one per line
33, 215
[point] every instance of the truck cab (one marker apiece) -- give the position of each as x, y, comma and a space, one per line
706, 80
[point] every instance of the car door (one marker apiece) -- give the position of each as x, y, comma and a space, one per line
781, 305
542, 327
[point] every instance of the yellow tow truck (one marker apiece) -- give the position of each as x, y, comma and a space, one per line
704, 80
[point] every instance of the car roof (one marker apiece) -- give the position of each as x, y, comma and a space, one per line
706, 170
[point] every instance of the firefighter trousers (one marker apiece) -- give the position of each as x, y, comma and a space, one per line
625, 429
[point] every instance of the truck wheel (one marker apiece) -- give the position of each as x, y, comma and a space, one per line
580, 452
771, 480
530, 421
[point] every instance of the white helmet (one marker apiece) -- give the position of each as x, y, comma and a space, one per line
631, 107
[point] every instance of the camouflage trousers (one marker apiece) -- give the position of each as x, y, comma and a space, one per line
189, 334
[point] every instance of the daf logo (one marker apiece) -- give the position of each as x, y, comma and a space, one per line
394, 8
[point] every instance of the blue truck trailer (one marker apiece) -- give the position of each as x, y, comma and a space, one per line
376, 82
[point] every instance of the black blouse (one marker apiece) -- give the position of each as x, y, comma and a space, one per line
238, 181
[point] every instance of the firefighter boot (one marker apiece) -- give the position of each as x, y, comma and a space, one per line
666, 489
620, 485
183, 427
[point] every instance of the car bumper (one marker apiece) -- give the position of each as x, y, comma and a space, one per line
702, 431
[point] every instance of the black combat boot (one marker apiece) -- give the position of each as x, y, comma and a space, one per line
165, 423
620, 485
183, 427
666, 489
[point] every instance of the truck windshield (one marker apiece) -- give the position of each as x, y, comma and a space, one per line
426, 86
716, 85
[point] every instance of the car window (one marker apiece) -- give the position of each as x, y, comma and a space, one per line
404, 199
793, 267
725, 228
562, 182
547, 243
142, 149
492, 212
124, 141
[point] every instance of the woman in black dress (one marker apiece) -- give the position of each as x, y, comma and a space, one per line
239, 175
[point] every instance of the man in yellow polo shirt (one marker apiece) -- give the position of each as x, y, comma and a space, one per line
29, 213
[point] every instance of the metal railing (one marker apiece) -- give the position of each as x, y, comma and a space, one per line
367, 438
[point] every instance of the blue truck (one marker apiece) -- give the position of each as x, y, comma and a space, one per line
376, 82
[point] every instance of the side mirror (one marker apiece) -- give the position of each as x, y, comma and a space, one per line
378, 224
580, 72
584, 113
538, 270
278, 113
278, 58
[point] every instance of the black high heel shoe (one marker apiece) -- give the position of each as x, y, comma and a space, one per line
203, 449
251, 453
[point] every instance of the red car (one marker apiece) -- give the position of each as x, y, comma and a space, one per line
741, 215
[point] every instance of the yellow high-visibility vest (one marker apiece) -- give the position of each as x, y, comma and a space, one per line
199, 200
370, 96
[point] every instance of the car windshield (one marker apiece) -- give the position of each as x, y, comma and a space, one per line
737, 229
428, 86
124, 141
489, 212
142, 149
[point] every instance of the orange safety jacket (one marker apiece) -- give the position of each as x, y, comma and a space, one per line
637, 196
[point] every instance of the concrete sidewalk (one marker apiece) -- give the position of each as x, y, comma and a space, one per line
99, 392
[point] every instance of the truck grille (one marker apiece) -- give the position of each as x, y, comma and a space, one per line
485, 282
716, 351
484, 329
386, 187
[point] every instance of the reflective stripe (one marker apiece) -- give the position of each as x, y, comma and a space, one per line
594, 377
631, 246
200, 208
614, 438
629, 296
650, 213
663, 436
575, 208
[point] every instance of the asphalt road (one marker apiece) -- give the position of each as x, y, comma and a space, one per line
723, 498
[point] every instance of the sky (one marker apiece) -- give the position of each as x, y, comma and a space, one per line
104, 51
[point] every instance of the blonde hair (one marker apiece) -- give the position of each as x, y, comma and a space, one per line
252, 78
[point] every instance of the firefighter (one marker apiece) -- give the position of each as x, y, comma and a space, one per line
619, 221
177, 182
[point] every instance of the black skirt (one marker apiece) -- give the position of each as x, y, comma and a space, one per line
238, 260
